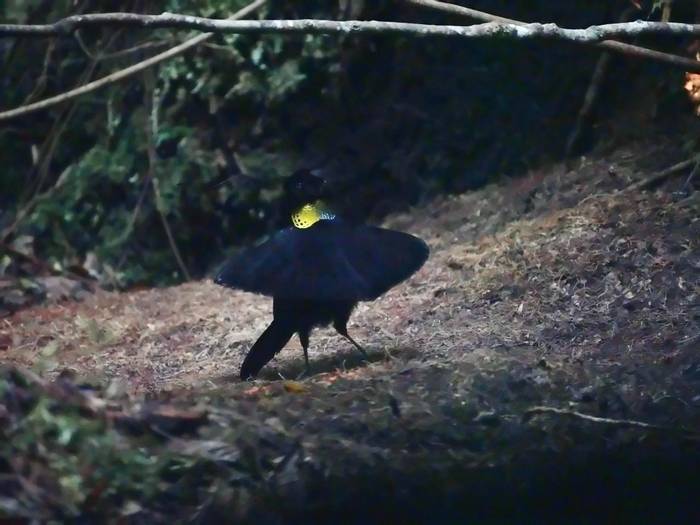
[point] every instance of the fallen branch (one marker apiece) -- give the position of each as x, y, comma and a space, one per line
534, 411
658, 178
687, 64
124, 73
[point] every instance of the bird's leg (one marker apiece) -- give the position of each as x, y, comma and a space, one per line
343, 330
304, 339
362, 350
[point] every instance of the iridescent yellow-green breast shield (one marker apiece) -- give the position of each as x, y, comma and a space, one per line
310, 214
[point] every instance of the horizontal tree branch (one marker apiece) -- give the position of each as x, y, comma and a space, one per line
67, 26
687, 64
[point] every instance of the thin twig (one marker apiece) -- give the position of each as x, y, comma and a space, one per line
152, 106
589, 99
46, 154
592, 92
102, 56
687, 64
61, 122
696, 168
474, 14
124, 73
54, 136
32, 197
43, 77
83, 46
132, 219
135, 49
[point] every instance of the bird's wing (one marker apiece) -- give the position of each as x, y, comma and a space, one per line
383, 257
298, 264
331, 261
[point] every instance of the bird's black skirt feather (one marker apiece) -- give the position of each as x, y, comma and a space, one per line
330, 261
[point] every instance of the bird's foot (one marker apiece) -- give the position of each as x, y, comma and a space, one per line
304, 373
365, 355
362, 351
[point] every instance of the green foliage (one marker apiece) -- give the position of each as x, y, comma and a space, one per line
90, 466
97, 196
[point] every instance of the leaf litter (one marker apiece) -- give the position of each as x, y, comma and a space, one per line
547, 350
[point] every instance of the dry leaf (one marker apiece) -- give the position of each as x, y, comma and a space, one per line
692, 86
295, 387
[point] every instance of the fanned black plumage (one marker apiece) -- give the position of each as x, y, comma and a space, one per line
329, 261
316, 275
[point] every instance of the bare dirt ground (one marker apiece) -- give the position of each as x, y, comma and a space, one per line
544, 362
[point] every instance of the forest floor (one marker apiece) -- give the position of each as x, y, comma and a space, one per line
543, 363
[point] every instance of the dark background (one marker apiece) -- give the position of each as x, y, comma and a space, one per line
392, 121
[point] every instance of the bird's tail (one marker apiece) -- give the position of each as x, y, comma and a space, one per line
268, 344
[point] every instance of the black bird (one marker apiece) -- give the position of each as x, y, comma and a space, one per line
317, 269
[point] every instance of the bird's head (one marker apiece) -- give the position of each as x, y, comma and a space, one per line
303, 194
304, 187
